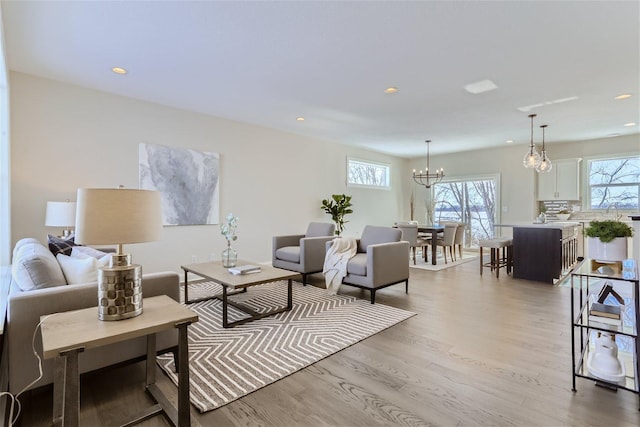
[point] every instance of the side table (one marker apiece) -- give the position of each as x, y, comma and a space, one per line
66, 335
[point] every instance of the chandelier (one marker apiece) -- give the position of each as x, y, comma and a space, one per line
545, 162
425, 178
531, 158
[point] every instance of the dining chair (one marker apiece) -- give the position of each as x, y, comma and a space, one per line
410, 234
458, 240
446, 242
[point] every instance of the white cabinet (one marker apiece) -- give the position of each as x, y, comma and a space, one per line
562, 183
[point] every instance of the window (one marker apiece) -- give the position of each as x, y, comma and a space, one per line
367, 174
472, 201
614, 183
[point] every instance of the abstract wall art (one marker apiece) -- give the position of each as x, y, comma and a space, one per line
187, 180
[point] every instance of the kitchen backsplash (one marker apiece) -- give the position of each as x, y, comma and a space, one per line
553, 207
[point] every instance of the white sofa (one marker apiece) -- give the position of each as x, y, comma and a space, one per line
33, 270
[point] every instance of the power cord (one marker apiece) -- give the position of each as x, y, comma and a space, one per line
15, 401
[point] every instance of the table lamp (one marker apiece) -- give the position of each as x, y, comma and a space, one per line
117, 216
61, 214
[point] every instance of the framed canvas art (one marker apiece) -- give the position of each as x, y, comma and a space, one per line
187, 180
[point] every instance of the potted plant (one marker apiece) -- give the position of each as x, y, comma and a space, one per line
338, 206
563, 214
607, 240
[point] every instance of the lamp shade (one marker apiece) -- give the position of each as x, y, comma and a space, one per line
108, 216
60, 214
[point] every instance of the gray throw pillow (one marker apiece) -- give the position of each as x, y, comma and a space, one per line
35, 267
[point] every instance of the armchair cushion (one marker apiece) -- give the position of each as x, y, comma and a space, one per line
289, 253
358, 265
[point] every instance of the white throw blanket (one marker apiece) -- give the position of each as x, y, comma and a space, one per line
335, 262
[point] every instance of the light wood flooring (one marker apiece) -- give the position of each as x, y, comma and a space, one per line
481, 351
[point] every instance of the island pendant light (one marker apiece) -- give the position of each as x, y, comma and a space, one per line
532, 158
425, 178
545, 162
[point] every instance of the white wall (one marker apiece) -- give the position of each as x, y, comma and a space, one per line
65, 137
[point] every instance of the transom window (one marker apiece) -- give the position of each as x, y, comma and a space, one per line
362, 173
614, 183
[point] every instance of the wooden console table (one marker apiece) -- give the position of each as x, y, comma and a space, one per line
66, 335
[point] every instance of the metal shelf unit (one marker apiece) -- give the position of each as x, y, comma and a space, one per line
587, 279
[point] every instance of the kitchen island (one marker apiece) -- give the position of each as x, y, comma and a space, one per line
544, 252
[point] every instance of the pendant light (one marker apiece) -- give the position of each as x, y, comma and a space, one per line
427, 178
532, 158
545, 162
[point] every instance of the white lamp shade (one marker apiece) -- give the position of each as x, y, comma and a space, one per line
108, 216
60, 214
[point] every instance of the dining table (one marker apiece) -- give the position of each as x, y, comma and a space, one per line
434, 229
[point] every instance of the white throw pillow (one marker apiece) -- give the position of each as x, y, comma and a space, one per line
78, 270
35, 267
77, 251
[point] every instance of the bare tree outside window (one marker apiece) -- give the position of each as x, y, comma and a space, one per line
472, 202
614, 183
368, 174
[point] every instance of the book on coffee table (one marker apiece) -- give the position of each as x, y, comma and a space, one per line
245, 269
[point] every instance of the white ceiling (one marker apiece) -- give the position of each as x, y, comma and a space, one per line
269, 62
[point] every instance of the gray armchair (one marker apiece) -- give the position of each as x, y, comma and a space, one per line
303, 253
381, 260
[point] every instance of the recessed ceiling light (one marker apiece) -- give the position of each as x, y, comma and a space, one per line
623, 96
480, 87
119, 70
300, 119
611, 135
509, 141
391, 90
630, 124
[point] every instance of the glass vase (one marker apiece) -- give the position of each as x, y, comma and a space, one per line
229, 257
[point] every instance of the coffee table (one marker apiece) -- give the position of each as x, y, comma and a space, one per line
215, 272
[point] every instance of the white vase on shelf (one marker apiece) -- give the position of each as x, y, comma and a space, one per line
613, 251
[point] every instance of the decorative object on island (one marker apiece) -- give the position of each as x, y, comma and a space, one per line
545, 162
532, 158
607, 240
338, 207
117, 216
61, 214
228, 230
563, 214
425, 178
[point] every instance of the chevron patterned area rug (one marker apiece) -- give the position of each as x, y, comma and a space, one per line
226, 364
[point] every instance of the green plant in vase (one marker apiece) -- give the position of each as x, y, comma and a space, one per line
228, 230
338, 206
607, 240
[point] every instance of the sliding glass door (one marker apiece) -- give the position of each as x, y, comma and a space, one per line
471, 201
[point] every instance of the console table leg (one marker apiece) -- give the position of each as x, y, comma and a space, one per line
59, 370
71, 391
289, 297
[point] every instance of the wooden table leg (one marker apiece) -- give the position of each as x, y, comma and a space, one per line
71, 387
434, 246
184, 407
224, 307
186, 287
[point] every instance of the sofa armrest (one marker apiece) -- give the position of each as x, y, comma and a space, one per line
23, 315
313, 251
388, 262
